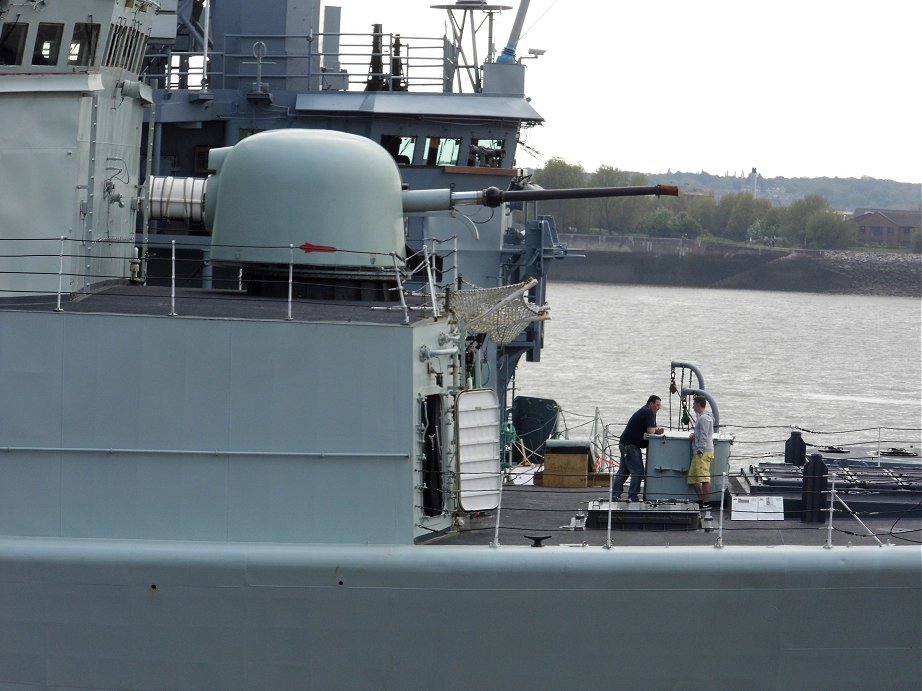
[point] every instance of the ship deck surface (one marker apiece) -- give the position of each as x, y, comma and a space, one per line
542, 511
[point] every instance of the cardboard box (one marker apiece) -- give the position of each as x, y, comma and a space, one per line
566, 470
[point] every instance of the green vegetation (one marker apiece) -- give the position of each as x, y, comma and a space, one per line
843, 194
707, 207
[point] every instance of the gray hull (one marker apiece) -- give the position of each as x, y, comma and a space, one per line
140, 614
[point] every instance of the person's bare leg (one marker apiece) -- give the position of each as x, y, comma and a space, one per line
704, 491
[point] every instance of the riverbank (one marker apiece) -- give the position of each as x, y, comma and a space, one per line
693, 264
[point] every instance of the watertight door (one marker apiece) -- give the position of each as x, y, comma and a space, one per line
477, 436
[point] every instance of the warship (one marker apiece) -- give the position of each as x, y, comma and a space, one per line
261, 302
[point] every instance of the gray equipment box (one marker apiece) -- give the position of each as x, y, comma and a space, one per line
668, 458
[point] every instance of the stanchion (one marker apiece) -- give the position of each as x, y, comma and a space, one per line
403, 302
173, 279
499, 506
431, 280
611, 483
60, 277
720, 519
291, 273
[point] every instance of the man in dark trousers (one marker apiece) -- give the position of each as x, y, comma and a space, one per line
632, 441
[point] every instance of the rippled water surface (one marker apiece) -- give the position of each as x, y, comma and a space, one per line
770, 360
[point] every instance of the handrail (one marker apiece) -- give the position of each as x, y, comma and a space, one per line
38, 272
421, 61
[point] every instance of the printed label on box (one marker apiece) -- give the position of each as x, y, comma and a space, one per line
757, 509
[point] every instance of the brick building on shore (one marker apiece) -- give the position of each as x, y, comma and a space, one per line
886, 227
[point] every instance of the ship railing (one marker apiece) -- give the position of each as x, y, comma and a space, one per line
64, 268
766, 443
834, 497
539, 504
284, 62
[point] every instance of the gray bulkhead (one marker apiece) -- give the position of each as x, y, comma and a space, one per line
179, 428
72, 121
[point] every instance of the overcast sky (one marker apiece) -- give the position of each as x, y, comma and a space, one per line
805, 88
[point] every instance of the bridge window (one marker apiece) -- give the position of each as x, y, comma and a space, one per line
83, 45
401, 148
12, 43
47, 44
442, 151
486, 153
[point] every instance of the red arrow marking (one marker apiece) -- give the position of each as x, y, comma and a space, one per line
308, 247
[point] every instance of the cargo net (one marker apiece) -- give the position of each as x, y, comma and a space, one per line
500, 313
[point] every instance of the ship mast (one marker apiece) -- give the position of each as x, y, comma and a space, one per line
465, 28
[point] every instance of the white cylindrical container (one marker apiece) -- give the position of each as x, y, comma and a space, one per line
177, 198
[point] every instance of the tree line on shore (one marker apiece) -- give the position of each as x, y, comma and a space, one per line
808, 222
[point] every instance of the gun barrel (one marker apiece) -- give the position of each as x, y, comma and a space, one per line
494, 196
443, 199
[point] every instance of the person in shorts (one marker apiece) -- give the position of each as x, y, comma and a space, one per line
699, 472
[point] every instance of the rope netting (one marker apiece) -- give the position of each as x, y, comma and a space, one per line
500, 313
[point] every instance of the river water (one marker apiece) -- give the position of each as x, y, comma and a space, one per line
841, 366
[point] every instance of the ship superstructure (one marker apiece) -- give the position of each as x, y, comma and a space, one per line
72, 101
450, 116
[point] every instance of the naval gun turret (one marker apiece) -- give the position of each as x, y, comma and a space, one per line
330, 204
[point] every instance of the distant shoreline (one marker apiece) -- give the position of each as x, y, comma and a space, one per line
756, 268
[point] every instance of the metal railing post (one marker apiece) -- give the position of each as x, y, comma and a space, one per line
403, 302
499, 507
60, 277
720, 518
173, 278
611, 486
291, 272
435, 303
832, 496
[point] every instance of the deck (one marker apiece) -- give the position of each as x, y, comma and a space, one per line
542, 511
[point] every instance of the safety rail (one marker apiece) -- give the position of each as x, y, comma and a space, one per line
286, 62
886, 502
751, 445
34, 269
561, 514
